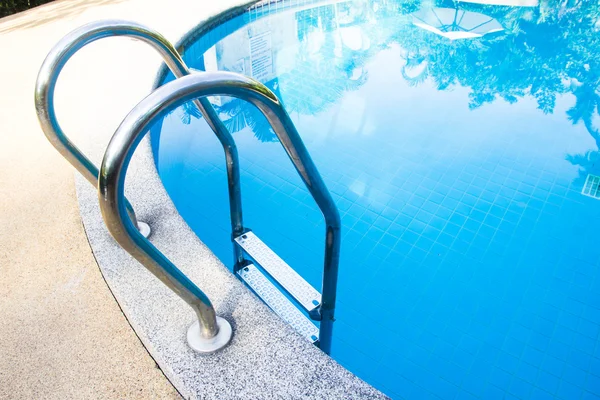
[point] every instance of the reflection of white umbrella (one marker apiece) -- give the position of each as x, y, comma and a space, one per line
512, 3
455, 24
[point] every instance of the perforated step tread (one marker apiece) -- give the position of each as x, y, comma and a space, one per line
278, 302
289, 279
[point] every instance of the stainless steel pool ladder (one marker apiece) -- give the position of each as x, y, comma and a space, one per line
174, 94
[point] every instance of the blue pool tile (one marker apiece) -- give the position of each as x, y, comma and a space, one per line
559, 350
397, 384
595, 365
568, 391
592, 383
508, 362
574, 375
538, 341
493, 392
514, 347
580, 359
445, 349
553, 365
383, 223
443, 389
475, 385
584, 343
464, 395
520, 388
533, 356
548, 382
527, 372
500, 378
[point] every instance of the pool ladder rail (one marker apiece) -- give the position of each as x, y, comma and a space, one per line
210, 333
254, 261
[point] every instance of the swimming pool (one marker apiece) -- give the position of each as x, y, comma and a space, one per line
460, 142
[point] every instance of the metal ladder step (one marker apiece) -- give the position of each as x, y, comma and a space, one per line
278, 302
289, 279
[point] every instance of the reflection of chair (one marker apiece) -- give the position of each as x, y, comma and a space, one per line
511, 3
314, 41
240, 114
349, 34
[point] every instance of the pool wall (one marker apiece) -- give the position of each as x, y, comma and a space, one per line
266, 358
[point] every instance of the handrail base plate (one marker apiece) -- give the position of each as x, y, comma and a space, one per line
207, 346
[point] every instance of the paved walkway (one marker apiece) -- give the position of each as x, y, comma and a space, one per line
62, 335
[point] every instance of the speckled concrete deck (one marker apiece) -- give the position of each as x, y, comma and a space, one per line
62, 334
266, 359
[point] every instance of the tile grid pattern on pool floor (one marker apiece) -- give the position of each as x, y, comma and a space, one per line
519, 360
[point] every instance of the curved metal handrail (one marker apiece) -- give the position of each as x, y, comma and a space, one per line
130, 133
44, 104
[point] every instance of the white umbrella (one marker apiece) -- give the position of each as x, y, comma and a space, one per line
455, 24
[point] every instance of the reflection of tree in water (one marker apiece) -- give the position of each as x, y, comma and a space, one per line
314, 82
588, 163
238, 114
542, 48
587, 104
189, 110
545, 51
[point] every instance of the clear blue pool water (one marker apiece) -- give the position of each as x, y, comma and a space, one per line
456, 139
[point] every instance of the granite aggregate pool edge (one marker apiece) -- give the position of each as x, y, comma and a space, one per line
266, 359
